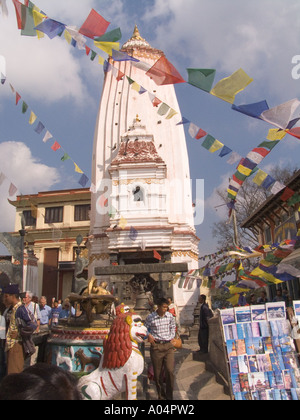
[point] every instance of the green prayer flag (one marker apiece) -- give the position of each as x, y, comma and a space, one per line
202, 78
269, 144
24, 107
65, 157
111, 36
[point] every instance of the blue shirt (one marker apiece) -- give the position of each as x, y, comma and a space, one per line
65, 313
45, 314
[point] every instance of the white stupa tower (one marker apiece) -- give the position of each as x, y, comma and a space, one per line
141, 198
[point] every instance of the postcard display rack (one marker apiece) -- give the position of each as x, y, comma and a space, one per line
261, 352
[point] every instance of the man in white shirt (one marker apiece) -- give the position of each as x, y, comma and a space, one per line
162, 329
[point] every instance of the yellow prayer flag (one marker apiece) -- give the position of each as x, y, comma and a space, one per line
135, 86
275, 134
217, 145
101, 60
266, 276
243, 170
77, 169
260, 177
123, 223
38, 18
107, 46
227, 88
32, 118
68, 36
171, 114
234, 300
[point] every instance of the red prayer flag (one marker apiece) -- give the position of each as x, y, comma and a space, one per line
156, 255
287, 194
56, 146
18, 7
201, 133
95, 25
164, 73
18, 97
295, 132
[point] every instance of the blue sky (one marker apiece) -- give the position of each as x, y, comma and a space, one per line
63, 87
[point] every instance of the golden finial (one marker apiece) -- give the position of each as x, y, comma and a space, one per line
137, 118
136, 34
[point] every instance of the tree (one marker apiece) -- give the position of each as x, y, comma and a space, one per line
249, 198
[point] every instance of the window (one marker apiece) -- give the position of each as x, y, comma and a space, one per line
29, 219
82, 213
268, 236
54, 215
138, 194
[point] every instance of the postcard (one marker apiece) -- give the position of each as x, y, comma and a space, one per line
242, 314
258, 313
275, 311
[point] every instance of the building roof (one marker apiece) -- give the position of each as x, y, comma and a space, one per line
137, 44
272, 203
53, 196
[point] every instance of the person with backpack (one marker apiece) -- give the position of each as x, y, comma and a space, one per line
20, 330
203, 335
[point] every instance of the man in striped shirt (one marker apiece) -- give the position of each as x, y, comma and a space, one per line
162, 329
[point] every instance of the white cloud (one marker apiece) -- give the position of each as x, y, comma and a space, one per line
45, 69
257, 36
26, 173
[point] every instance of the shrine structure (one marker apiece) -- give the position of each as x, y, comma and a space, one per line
142, 226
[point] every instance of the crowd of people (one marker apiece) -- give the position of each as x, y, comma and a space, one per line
23, 316
24, 347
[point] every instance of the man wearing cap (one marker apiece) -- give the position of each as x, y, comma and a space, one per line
14, 348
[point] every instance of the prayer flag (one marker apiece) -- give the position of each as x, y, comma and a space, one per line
183, 121
163, 109
18, 97
260, 177
111, 36
193, 130
107, 47
123, 223
122, 56
287, 194
32, 118
77, 169
83, 180
12, 190
19, 7
225, 151
277, 187
24, 107
4, 8
281, 114
201, 78
171, 114
295, 132
56, 146
275, 134
39, 128
258, 154
201, 133
94, 25
47, 137
211, 144
133, 234
268, 182
164, 73
229, 87
65, 157
156, 255
252, 110
38, 18
51, 27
